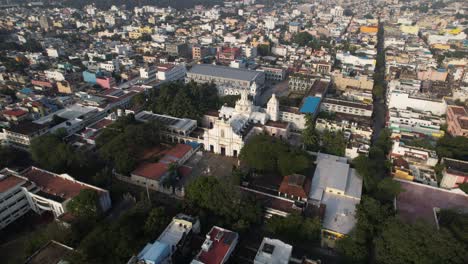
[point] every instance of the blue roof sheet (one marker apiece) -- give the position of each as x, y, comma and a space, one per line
310, 105
156, 252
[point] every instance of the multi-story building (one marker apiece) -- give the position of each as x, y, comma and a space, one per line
199, 52
273, 251
21, 135
218, 246
171, 72
229, 81
346, 107
228, 54
414, 122
457, 121
363, 82
404, 94
178, 49
40, 190
274, 74
300, 82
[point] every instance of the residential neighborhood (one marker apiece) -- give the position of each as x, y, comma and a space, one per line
237, 131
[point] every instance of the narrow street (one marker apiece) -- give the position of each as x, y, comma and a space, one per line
380, 107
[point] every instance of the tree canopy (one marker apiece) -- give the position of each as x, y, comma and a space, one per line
85, 204
452, 147
122, 142
190, 100
266, 153
223, 203
294, 229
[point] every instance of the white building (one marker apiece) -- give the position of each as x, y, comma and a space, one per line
54, 75
273, 251
40, 190
339, 187
406, 94
170, 240
170, 72
229, 81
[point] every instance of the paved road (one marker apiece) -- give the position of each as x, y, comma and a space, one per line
380, 108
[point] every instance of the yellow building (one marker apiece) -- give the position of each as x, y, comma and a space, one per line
409, 29
134, 35
440, 46
64, 87
145, 30
369, 29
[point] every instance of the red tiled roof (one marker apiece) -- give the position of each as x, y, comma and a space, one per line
54, 184
14, 112
101, 124
179, 151
9, 182
458, 110
218, 250
153, 171
295, 184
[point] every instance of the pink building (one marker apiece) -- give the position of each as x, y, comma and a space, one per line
105, 82
433, 75
454, 174
457, 121
226, 55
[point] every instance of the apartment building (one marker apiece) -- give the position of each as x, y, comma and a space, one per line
363, 82
457, 121
415, 122
273, 74
41, 191
21, 135
346, 107
300, 82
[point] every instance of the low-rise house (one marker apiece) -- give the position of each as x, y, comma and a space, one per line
338, 188
173, 238
273, 251
218, 246
455, 172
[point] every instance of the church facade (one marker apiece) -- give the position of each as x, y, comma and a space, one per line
230, 128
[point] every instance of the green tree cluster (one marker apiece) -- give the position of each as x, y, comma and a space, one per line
303, 38
85, 204
330, 142
122, 143
452, 147
116, 242
269, 154
52, 153
222, 204
294, 229
190, 100
10, 157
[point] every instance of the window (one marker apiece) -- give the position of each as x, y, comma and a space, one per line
222, 133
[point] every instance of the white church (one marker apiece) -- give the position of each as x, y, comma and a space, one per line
229, 128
